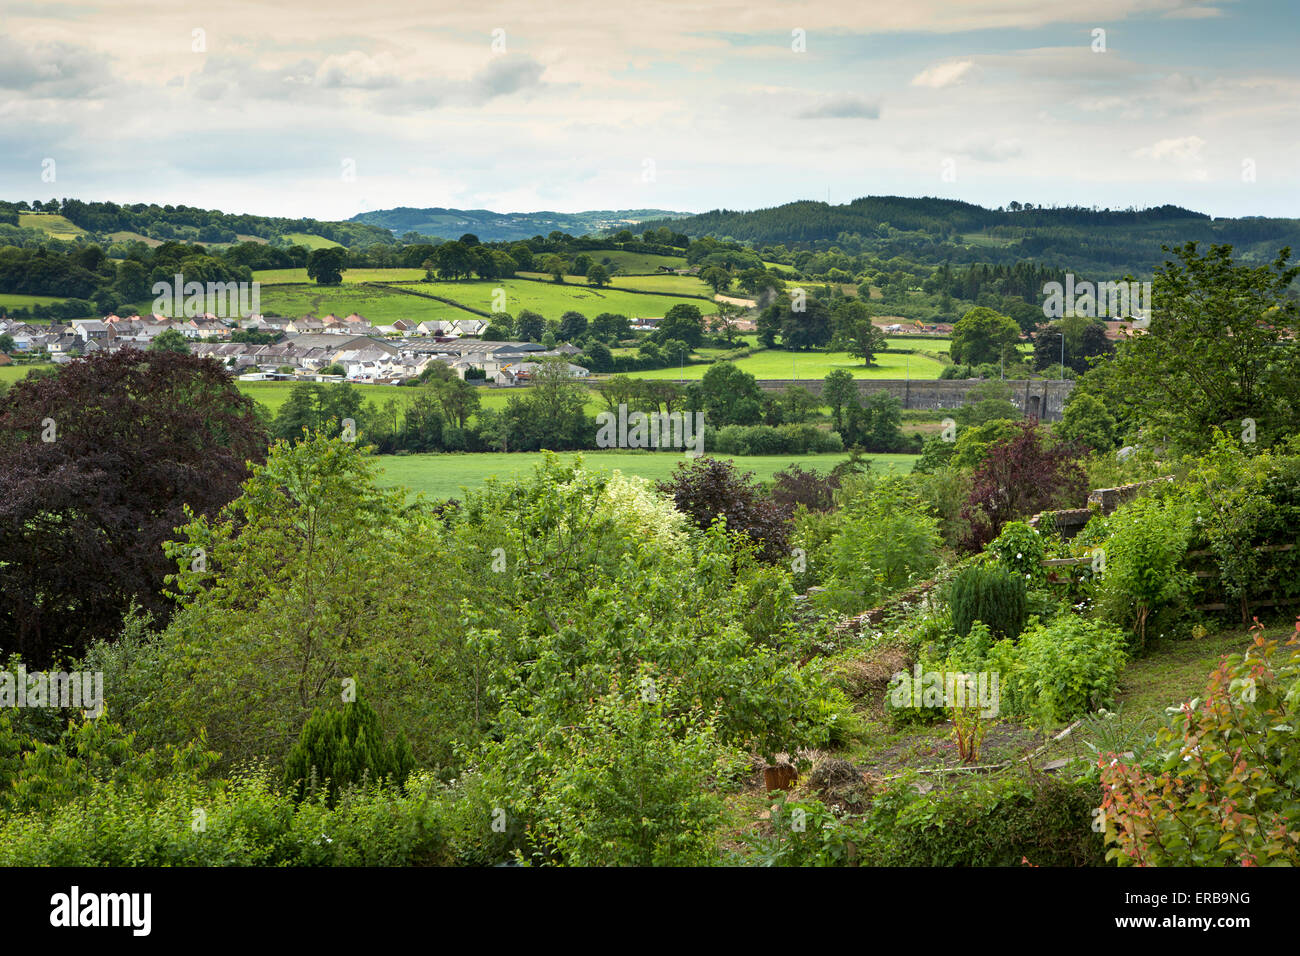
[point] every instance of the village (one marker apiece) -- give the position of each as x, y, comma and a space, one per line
310, 348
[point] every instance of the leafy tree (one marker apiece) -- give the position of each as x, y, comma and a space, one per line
706, 489
717, 278
135, 438
325, 265
840, 391
865, 340
6, 343
1020, 477
1088, 422
530, 326
982, 335
683, 322
597, 276
170, 340
731, 395
1222, 346
610, 327
573, 325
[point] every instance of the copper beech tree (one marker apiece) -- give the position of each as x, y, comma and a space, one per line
98, 463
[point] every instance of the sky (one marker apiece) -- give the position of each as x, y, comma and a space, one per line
326, 109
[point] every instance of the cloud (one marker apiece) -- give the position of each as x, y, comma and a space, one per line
356, 70
943, 74
1193, 13
845, 107
505, 75
1181, 149
51, 70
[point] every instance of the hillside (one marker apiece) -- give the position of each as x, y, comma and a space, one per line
498, 226
933, 231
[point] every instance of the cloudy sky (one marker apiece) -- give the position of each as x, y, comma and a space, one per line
330, 108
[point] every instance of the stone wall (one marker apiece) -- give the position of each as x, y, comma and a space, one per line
1035, 398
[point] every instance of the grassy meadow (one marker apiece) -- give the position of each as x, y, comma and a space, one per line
443, 476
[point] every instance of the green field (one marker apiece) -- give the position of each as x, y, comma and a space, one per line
383, 306
442, 476
274, 394
12, 373
380, 306
552, 299
14, 300
310, 240
634, 262
772, 363
281, 276
53, 225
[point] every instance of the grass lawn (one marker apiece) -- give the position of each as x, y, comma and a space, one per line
278, 276
773, 363
637, 261
14, 300
441, 476
380, 306
552, 299
13, 373
310, 240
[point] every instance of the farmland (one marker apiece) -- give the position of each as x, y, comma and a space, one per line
442, 476
770, 363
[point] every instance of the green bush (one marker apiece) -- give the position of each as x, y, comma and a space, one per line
991, 594
1006, 820
1061, 670
1143, 556
1226, 788
343, 747
1020, 549
242, 822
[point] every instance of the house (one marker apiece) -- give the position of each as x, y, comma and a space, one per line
525, 370
308, 323
87, 329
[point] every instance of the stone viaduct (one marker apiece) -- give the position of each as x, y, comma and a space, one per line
1036, 398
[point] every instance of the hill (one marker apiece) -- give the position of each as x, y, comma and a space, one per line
503, 226
934, 231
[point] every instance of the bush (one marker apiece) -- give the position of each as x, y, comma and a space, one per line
976, 821
1020, 550
707, 489
1143, 554
991, 594
1225, 792
1062, 670
341, 748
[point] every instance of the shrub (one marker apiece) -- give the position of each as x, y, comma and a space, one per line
340, 748
1064, 669
1147, 544
976, 821
1225, 791
707, 489
1019, 477
991, 594
1020, 549
638, 790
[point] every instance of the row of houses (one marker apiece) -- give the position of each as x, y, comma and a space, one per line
373, 359
57, 339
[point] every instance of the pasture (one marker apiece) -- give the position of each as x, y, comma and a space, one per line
443, 476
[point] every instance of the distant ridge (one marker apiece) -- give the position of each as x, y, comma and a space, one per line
492, 226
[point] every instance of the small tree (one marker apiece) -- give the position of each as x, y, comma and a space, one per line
343, 747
